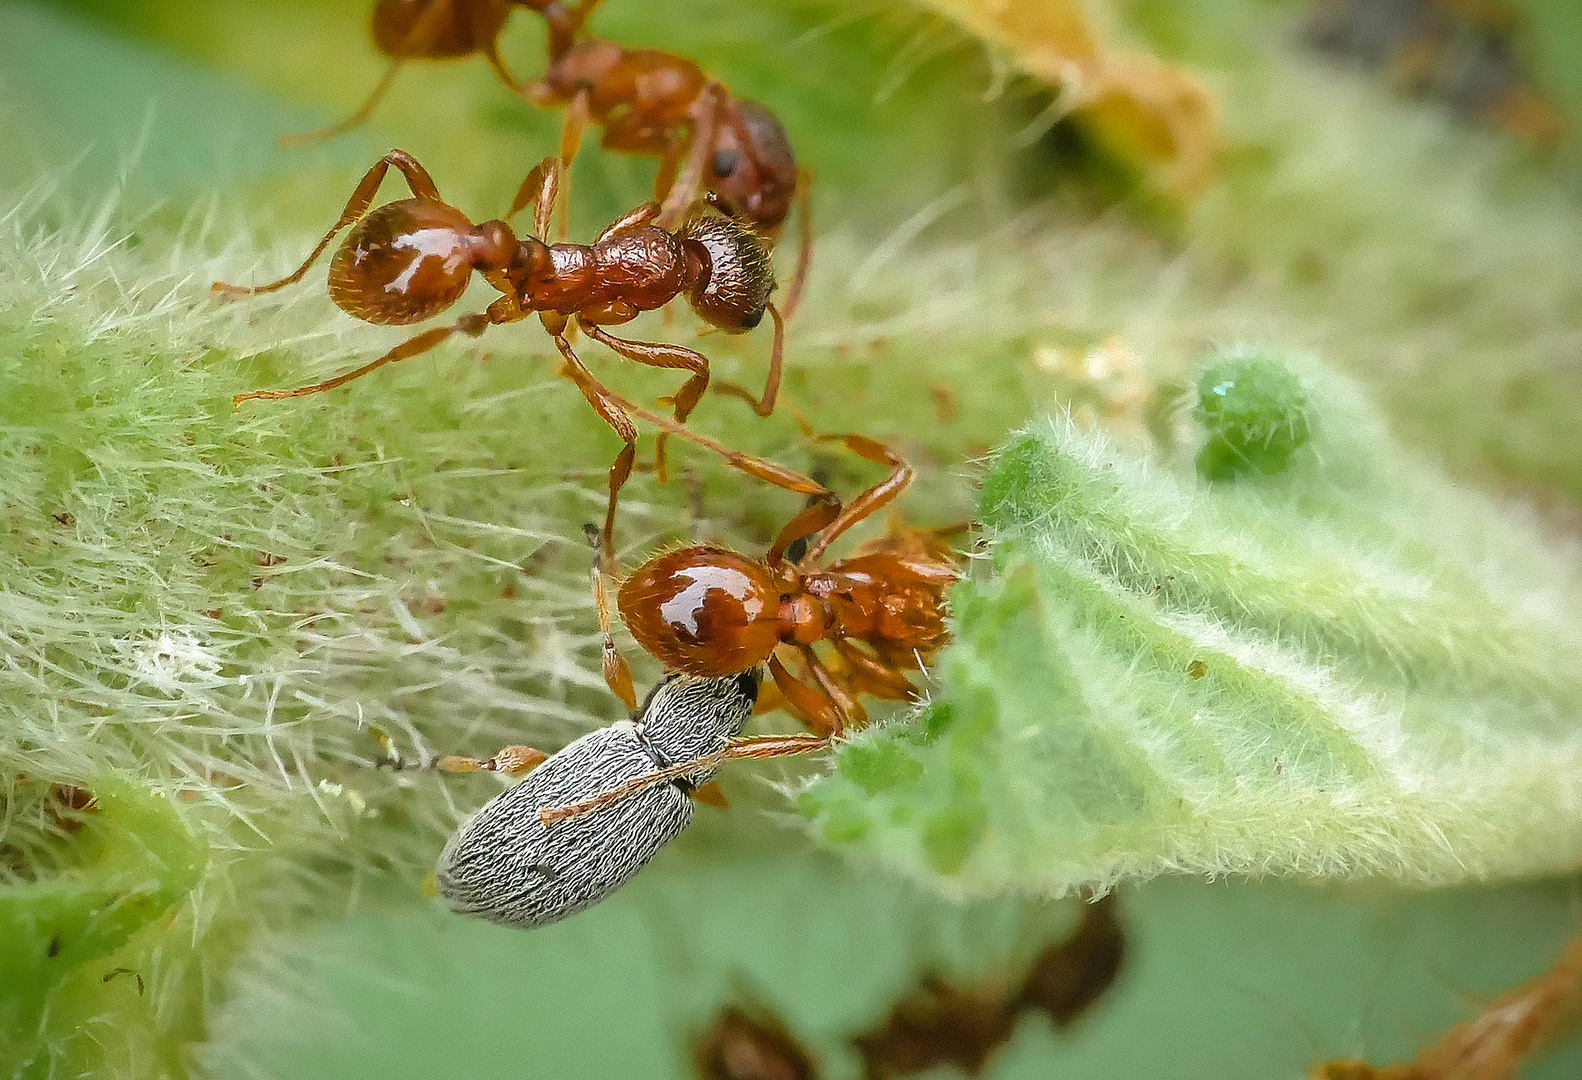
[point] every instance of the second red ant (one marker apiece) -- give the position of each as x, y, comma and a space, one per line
409, 260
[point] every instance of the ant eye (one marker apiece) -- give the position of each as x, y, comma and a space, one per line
725, 162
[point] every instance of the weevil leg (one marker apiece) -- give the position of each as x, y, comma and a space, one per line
711, 794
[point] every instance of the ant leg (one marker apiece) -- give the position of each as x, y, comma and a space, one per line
689, 183
669, 164
876, 497
758, 468
630, 220
421, 32
583, 12
804, 254
877, 678
764, 406
820, 511
658, 355
816, 708
577, 114
610, 409
417, 178
617, 673
352, 122
538, 190
847, 706
471, 325
763, 746
511, 760
491, 53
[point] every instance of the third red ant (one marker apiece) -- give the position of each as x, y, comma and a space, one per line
648, 101
410, 260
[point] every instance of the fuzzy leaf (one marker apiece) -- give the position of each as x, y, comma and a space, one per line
1348, 669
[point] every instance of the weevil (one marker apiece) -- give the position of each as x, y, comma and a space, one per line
506, 865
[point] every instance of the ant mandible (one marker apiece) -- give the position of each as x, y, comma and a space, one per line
409, 260
648, 102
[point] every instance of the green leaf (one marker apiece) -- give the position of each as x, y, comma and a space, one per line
1350, 669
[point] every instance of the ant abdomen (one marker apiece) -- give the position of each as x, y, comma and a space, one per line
403, 263
437, 29
741, 276
703, 610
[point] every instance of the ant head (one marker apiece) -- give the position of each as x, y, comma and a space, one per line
404, 262
703, 610
735, 291
753, 170
449, 28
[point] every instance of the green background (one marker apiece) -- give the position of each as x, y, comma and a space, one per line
175, 105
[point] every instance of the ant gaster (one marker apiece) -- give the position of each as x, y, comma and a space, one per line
409, 260
648, 102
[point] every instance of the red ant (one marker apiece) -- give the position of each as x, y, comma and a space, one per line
648, 102
710, 611
409, 260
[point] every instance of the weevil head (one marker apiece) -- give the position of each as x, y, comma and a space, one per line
733, 292
687, 716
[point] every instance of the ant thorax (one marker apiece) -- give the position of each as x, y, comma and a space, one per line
640, 269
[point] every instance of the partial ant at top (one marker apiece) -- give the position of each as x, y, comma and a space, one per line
648, 102
409, 260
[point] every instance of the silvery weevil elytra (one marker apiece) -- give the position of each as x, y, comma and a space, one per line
506, 865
